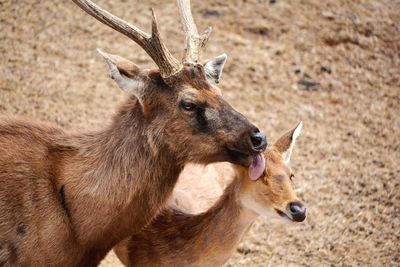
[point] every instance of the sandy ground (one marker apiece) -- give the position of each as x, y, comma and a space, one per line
333, 64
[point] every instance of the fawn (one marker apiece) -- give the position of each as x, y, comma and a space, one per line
178, 238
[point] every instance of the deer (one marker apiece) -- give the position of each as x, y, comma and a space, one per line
178, 237
68, 197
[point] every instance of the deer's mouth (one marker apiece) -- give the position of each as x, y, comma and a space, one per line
241, 158
283, 214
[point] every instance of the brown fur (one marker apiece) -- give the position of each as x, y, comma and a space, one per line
67, 199
178, 238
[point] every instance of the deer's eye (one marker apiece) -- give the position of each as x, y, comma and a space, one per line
291, 177
189, 106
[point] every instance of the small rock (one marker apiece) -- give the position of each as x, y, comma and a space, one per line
259, 30
308, 254
212, 12
309, 85
328, 15
326, 69
297, 70
379, 163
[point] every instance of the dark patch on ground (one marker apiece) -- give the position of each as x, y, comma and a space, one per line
259, 30
309, 85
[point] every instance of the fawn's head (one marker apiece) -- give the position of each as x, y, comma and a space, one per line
272, 194
180, 101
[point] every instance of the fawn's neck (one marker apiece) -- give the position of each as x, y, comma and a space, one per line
116, 180
226, 222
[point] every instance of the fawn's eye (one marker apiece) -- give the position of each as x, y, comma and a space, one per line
189, 106
291, 177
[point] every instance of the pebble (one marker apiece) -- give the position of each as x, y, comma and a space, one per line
309, 85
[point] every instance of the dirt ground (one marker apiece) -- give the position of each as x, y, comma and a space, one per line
333, 64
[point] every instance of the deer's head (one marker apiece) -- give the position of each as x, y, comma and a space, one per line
272, 194
181, 100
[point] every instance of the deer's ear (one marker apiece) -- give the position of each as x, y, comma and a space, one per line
214, 68
286, 142
126, 74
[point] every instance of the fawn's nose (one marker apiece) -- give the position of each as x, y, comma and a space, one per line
258, 140
297, 211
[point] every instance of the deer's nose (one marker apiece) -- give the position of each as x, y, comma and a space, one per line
297, 211
258, 140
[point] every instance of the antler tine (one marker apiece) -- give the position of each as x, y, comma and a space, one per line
152, 44
167, 62
194, 41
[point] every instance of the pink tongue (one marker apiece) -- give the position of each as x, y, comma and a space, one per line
257, 168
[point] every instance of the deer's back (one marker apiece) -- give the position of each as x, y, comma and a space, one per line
31, 209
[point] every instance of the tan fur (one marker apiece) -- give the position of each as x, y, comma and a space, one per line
180, 238
198, 195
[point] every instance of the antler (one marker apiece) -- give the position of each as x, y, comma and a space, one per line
152, 44
194, 41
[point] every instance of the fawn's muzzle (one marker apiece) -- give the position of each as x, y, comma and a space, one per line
297, 211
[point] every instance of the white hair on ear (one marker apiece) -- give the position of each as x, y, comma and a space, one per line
295, 135
297, 131
214, 68
128, 85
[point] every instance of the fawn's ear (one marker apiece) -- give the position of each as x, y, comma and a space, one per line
214, 68
286, 142
126, 74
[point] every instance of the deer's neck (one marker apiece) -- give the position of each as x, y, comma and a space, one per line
206, 239
116, 180
225, 223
